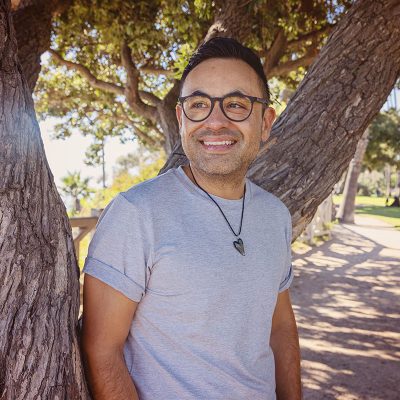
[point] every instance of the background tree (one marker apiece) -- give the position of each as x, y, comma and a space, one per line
347, 206
77, 187
309, 148
378, 147
129, 171
384, 141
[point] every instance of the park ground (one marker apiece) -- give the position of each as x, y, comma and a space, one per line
346, 297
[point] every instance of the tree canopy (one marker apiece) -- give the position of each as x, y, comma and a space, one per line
384, 141
115, 65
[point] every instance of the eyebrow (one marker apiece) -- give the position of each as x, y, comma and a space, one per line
234, 92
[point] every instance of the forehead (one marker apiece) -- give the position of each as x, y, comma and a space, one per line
218, 76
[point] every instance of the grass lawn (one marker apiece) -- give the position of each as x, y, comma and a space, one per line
375, 207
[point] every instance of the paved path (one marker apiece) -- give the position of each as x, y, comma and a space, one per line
346, 297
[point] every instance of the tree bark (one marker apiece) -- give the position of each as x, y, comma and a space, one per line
168, 121
347, 207
230, 20
32, 22
39, 288
313, 141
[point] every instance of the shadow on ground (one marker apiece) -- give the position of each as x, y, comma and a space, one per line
346, 296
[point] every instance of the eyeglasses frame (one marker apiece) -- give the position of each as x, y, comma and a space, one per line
220, 100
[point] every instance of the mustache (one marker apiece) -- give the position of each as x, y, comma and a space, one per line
208, 132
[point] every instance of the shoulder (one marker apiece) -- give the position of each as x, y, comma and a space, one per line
141, 198
151, 190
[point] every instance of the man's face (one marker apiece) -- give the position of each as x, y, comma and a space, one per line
218, 77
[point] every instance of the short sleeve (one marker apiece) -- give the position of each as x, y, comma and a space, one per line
119, 252
287, 276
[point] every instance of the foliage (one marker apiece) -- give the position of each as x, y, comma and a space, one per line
161, 34
123, 180
384, 141
371, 181
78, 188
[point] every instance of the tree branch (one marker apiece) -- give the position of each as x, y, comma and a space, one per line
85, 73
150, 97
275, 52
132, 87
145, 137
288, 66
296, 44
231, 20
149, 69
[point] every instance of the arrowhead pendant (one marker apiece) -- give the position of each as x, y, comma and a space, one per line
239, 246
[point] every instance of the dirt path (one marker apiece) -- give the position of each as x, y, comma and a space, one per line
346, 297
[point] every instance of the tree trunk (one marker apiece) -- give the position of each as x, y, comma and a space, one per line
32, 22
168, 121
315, 138
398, 182
388, 178
230, 20
78, 207
39, 292
346, 210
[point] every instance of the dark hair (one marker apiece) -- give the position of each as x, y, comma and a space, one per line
222, 47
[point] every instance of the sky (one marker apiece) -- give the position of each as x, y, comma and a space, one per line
68, 155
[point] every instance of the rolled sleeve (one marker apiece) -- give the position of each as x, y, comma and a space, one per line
119, 252
114, 278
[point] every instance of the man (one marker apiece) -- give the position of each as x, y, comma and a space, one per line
186, 288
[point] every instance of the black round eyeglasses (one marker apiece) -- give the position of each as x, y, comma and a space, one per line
236, 107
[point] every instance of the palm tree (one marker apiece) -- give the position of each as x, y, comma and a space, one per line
76, 187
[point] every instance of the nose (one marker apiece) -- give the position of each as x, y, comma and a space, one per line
216, 120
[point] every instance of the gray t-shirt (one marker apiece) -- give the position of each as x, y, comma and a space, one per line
202, 326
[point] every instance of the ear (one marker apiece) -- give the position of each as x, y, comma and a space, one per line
268, 120
179, 111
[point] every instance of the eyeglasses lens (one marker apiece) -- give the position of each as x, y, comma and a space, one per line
197, 108
236, 108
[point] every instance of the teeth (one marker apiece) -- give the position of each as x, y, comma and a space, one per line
226, 142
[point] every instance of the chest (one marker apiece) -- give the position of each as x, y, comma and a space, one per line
195, 258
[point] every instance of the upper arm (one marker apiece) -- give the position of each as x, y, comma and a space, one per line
107, 316
283, 316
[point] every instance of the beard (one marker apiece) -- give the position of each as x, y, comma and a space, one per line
230, 165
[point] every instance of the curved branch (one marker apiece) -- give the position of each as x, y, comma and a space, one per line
145, 137
150, 97
132, 87
149, 69
288, 66
296, 44
275, 52
85, 73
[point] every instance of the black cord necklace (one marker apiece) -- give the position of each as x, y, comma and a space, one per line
238, 244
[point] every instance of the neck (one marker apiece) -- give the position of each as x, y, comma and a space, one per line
231, 188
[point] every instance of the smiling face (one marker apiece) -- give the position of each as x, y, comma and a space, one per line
217, 77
